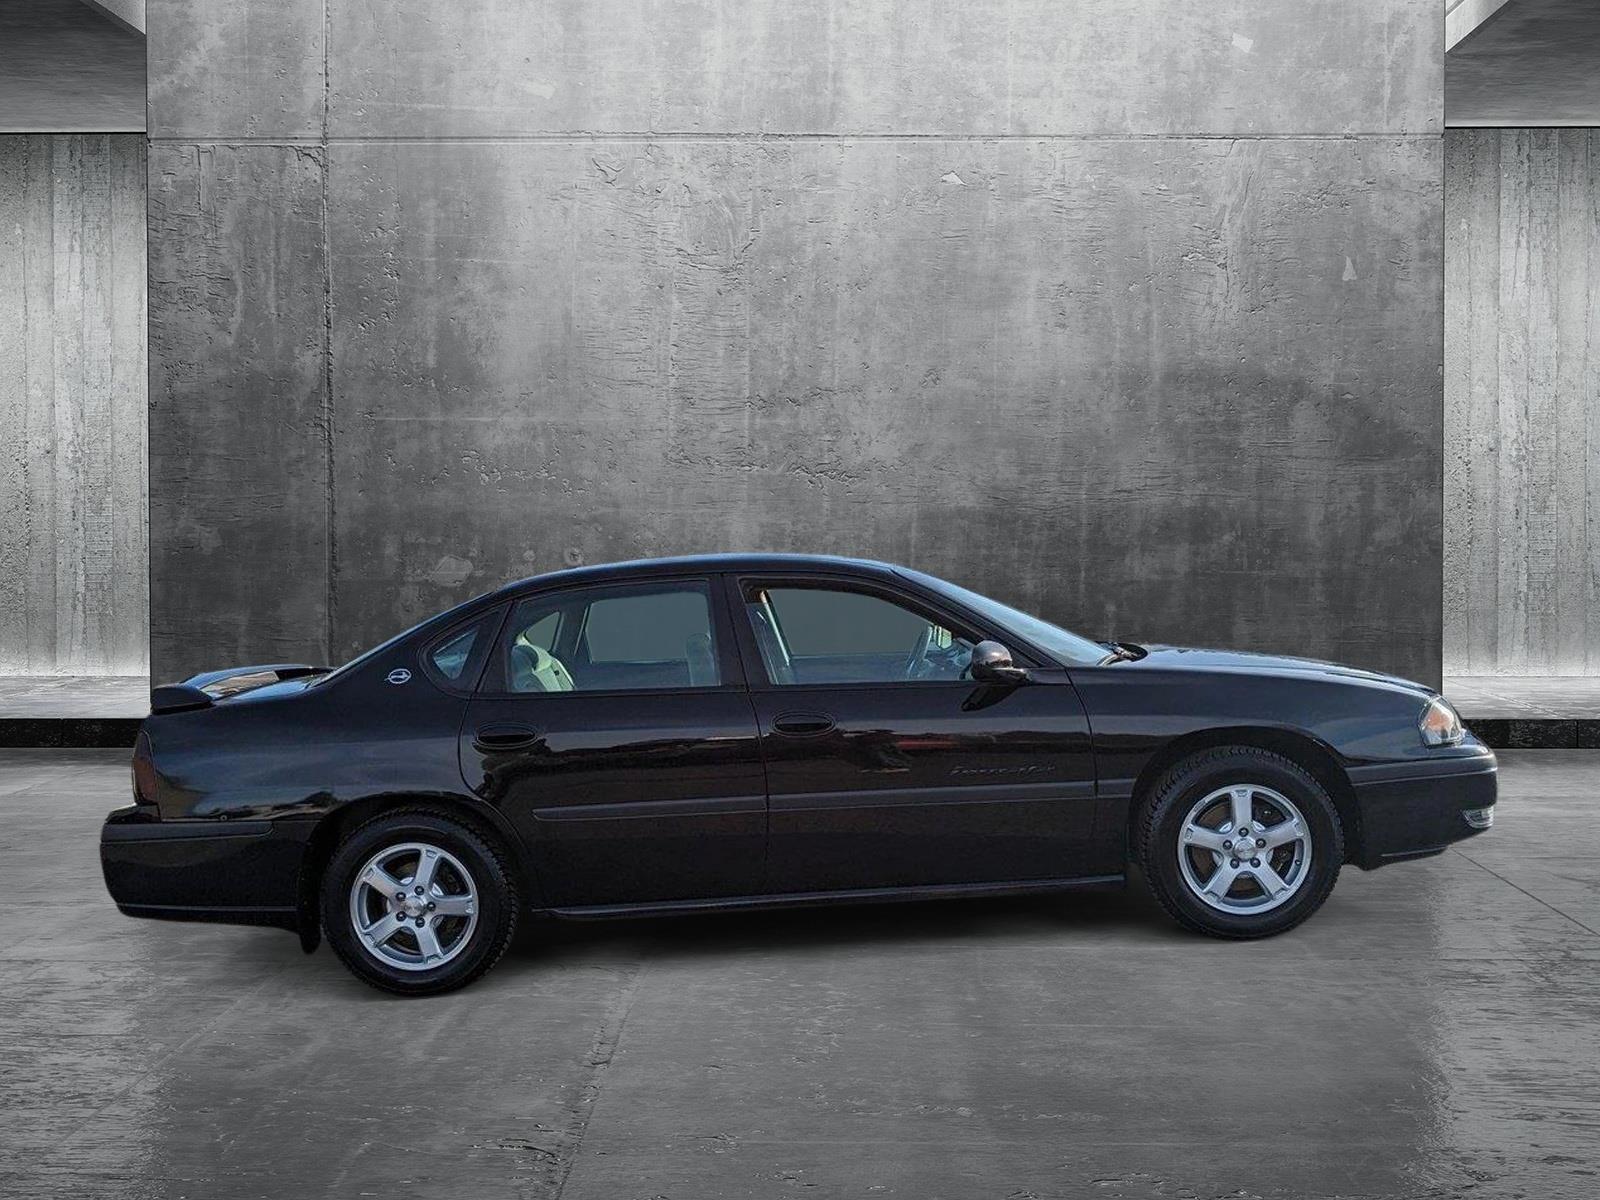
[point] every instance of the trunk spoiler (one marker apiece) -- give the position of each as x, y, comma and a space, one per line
201, 691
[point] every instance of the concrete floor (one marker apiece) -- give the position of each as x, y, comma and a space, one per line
74, 696
1435, 1031
1515, 697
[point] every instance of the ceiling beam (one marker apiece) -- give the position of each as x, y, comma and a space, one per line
1465, 17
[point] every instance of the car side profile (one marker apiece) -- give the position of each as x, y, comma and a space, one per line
720, 732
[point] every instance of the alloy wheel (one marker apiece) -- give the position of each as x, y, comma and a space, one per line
1244, 849
413, 906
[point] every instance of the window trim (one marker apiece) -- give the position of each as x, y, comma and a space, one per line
491, 684
957, 622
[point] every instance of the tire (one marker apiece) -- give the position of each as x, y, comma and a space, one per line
432, 941
1186, 830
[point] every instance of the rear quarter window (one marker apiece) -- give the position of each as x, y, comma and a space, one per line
454, 658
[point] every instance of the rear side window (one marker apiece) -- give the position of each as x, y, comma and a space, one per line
542, 633
635, 638
650, 627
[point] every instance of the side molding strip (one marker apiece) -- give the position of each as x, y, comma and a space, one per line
1021, 887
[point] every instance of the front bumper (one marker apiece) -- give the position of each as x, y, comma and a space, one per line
242, 872
1414, 809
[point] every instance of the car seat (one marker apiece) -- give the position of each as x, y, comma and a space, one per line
537, 670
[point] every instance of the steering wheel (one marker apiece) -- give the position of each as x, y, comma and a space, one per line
915, 663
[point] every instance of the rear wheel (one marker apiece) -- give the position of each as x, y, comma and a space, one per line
1240, 842
417, 903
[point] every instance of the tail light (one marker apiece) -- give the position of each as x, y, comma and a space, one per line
144, 771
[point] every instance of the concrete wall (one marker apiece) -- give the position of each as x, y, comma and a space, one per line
72, 405
1522, 396
1123, 310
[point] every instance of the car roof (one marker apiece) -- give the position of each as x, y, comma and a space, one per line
644, 568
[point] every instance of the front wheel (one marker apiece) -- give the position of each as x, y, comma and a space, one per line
1239, 842
415, 902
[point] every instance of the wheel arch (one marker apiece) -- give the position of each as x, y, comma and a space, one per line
1301, 748
326, 834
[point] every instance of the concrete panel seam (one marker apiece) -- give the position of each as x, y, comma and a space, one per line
327, 345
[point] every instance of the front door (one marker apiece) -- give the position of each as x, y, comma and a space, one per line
613, 729
887, 768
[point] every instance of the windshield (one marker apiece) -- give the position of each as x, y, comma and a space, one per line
1065, 645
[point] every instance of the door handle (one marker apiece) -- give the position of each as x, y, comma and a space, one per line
505, 737
802, 724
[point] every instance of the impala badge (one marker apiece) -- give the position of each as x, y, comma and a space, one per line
398, 675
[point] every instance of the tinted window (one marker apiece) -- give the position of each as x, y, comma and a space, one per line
542, 632
450, 657
645, 628
455, 657
1070, 648
613, 639
824, 635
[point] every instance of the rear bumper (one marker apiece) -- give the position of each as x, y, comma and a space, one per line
1414, 809
241, 872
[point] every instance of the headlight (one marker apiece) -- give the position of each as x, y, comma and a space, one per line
1439, 725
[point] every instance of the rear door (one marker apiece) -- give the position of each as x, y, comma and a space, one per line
613, 728
886, 767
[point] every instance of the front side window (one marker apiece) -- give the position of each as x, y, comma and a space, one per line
613, 639
810, 635
1070, 648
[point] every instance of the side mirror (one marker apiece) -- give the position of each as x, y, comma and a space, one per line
991, 663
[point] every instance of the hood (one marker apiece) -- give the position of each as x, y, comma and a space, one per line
1189, 658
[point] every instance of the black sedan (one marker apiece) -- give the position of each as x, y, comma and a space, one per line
727, 732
